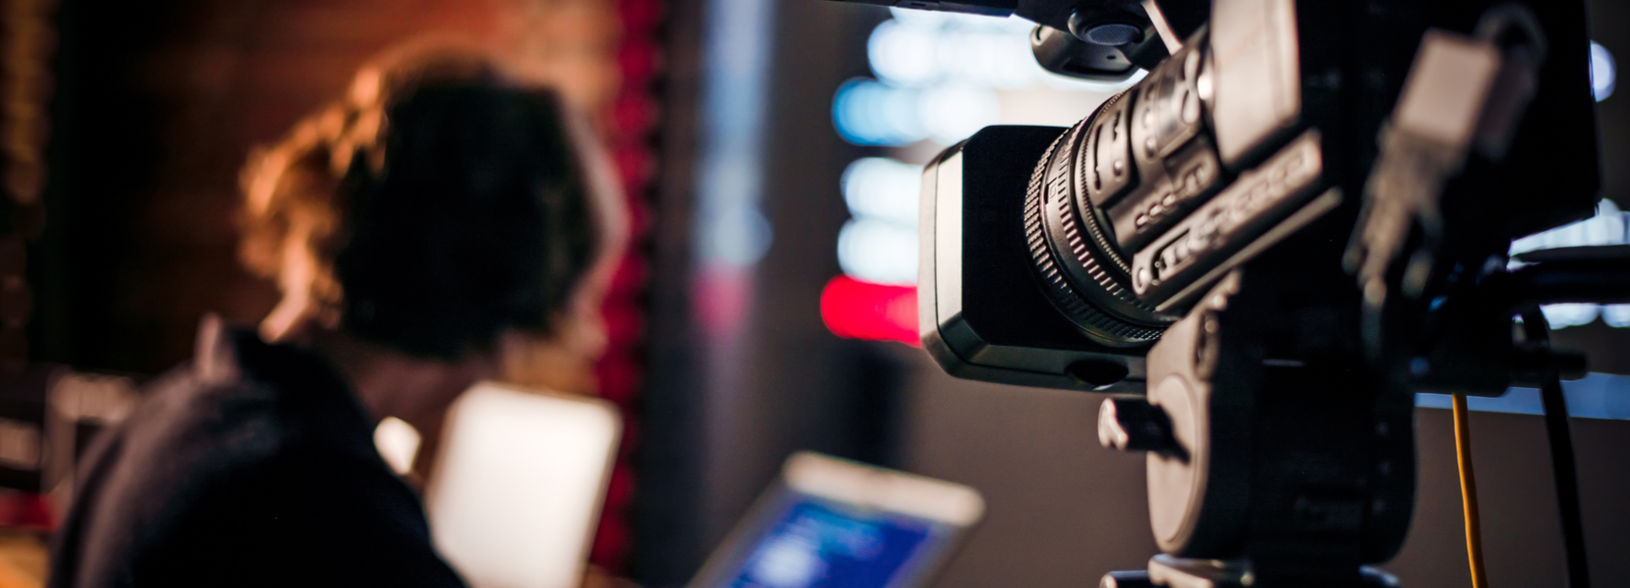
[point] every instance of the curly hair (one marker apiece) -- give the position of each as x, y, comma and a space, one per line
438, 204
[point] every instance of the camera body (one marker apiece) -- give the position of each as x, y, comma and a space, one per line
1057, 257
1299, 218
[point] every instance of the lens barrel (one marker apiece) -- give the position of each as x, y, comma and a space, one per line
1113, 183
1083, 275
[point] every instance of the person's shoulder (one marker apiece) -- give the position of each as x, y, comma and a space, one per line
187, 439
187, 432
238, 405
183, 407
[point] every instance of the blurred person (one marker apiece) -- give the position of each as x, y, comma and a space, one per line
437, 216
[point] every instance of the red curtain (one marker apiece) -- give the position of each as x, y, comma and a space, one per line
631, 135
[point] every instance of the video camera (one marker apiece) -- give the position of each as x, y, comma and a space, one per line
1297, 219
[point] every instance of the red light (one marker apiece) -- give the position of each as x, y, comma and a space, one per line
864, 310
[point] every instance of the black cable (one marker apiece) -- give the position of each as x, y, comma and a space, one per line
1563, 469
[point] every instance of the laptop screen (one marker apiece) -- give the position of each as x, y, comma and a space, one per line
516, 495
814, 542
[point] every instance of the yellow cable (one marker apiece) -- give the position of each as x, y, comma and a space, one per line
1468, 491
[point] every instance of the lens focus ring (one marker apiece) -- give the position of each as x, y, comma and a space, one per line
1083, 276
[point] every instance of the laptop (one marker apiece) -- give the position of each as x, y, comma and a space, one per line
828, 522
517, 490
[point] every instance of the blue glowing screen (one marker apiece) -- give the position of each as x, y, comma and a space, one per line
815, 544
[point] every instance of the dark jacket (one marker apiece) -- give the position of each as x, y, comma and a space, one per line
252, 466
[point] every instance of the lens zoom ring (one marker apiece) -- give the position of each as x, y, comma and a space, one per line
1089, 257
1084, 162
1103, 327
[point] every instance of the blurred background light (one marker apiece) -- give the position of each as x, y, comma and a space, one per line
871, 113
736, 236
398, 443
1562, 316
1616, 316
1606, 228
950, 113
902, 55
992, 58
857, 309
730, 227
882, 188
1610, 226
1603, 72
878, 251
931, 20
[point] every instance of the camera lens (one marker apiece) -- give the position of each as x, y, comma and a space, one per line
1070, 238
